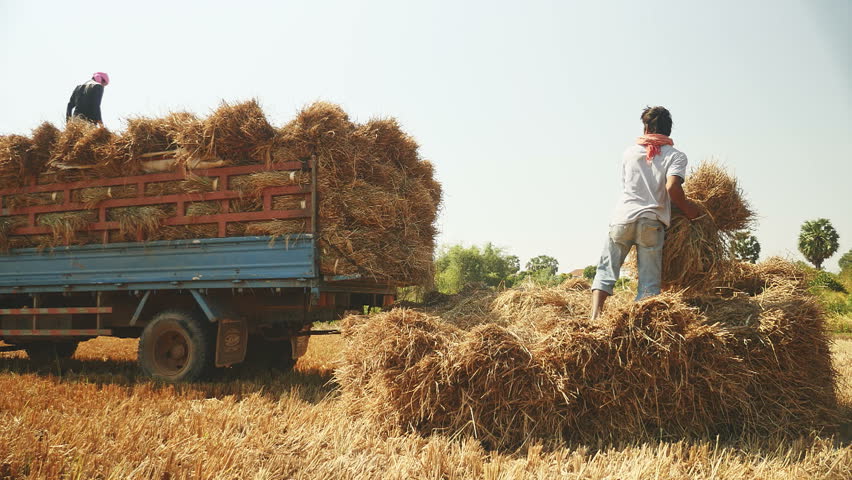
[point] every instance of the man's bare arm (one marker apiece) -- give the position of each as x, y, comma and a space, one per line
678, 197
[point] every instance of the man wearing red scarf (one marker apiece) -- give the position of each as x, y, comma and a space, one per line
652, 172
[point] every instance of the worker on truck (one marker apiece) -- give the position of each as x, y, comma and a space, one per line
652, 172
85, 101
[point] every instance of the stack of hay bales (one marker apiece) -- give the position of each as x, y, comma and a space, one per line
378, 199
728, 349
665, 367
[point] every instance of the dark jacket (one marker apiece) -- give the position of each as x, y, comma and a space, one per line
86, 102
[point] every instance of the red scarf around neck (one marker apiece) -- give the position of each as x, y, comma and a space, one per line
653, 142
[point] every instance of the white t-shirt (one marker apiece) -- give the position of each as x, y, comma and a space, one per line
643, 186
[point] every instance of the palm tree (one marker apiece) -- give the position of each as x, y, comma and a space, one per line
818, 241
745, 247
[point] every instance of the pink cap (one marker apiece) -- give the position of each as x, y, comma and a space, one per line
101, 78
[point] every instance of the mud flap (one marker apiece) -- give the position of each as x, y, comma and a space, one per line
231, 341
299, 346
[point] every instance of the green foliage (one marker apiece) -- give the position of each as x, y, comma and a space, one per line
818, 241
623, 283
458, 266
745, 247
543, 262
589, 272
845, 261
840, 323
823, 279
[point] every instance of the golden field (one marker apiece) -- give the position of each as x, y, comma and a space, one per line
94, 416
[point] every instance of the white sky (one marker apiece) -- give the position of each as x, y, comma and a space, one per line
524, 107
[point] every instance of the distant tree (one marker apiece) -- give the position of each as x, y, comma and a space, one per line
589, 272
543, 262
845, 261
457, 266
745, 247
818, 241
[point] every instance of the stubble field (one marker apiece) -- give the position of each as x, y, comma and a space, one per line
94, 416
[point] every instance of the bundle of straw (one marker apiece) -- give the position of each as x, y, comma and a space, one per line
14, 151
695, 253
65, 226
142, 220
43, 138
666, 366
237, 133
378, 199
83, 151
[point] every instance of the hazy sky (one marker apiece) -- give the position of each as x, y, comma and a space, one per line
524, 107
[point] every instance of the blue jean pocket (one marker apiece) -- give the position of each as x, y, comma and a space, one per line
649, 235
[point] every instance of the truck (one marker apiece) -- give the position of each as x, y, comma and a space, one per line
194, 303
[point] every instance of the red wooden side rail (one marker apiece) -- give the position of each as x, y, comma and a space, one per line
222, 194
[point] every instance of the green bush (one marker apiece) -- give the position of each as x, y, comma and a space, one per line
839, 306
840, 323
823, 279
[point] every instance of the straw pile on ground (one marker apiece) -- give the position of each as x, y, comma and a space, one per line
378, 199
538, 370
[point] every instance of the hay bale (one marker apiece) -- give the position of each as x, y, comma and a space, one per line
184, 232
140, 220
66, 226
14, 153
90, 197
711, 187
289, 202
378, 200
695, 253
22, 200
159, 189
276, 228
8, 224
237, 133
665, 367
149, 135
210, 207
84, 151
43, 138
197, 184
377, 208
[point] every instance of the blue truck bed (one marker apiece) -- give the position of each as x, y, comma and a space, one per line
203, 263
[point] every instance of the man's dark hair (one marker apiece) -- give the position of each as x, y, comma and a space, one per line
657, 120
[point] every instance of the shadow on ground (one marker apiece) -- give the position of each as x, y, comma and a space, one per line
238, 381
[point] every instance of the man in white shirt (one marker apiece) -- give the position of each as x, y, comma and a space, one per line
652, 172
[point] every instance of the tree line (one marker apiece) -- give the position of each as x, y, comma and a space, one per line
457, 266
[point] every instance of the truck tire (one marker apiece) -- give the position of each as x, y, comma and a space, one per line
176, 346
46, 352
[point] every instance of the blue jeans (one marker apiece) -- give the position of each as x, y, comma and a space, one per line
648, 235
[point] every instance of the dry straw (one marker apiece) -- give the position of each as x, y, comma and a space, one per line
378, 199
144, 221
65, 226
667, 366
695, 253
14, 150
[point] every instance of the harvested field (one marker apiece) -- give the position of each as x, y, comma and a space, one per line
93, 417
378, 199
